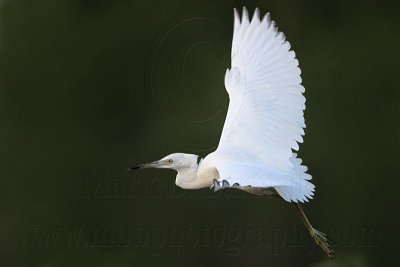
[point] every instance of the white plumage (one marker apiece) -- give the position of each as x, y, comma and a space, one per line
264, 122
265, 116
263, 126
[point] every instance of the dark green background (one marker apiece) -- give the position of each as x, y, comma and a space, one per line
89, 88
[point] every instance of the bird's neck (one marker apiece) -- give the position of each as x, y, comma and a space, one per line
186, 177
195, 176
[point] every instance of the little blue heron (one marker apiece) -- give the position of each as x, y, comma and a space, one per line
263, 126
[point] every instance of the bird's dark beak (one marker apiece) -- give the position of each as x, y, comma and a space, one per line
153, 164
135, 168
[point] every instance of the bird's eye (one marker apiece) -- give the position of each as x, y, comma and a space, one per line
170, 161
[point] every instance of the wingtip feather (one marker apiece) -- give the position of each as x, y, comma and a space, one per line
236, 14
245, 15
256, 15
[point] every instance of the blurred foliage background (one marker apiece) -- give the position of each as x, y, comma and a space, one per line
89, 88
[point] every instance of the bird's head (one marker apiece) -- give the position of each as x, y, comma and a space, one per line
175, 161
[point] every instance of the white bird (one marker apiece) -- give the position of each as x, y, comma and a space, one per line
264, 124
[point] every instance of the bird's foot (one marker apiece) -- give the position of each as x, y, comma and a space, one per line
216, 185
322, 240
222, 185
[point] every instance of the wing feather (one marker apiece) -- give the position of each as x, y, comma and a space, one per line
265, 117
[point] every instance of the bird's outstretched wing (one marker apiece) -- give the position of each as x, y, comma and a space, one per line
265, 116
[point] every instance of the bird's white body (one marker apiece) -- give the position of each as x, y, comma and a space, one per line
264, 122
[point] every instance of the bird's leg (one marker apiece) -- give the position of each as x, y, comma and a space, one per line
320, 238
260, 191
